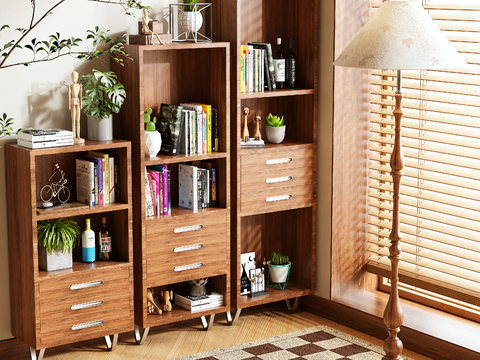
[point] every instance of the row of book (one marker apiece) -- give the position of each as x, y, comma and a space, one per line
97, 179
188, 128
257, 71
157, 190
39, 139
210, 300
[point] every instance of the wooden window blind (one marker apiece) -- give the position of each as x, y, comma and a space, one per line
440, 189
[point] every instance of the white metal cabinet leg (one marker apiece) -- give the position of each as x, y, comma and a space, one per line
207, 325
111, 343
293, 307
235, 318
36, 356
140, 336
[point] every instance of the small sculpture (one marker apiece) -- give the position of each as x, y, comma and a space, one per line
258, 136
167, 295
55, 189
146, 29
75, 105
246, 134
152, 306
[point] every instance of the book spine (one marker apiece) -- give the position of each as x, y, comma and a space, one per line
100, 182
148, 197
199, 133
117, 180
95, 177
199, 189
44, 144
169, 193
209, 130
191, 120
205, 132
250, 69
213, 201
242, 70
152, 185
165, 188
41, 138
111, 178
271, 69
205, 189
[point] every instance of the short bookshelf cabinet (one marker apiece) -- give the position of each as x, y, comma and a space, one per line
274, 188
172, 249
89, 300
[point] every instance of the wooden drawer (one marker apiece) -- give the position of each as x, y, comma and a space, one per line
180, 246
277, 180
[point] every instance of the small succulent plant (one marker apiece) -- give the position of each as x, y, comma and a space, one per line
150, 123
279, 259
189, 5
274, 121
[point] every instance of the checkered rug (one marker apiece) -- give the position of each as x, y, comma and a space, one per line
320, 342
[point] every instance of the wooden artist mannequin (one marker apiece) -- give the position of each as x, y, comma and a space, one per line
74, 105
146, 29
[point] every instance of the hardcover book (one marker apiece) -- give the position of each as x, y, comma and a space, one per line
170, 128
187, 186
215, 130
269, 55
45, 135
85, 182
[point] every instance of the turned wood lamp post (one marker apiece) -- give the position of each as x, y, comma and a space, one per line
399, 36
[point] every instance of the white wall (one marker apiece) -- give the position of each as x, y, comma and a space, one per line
35, 96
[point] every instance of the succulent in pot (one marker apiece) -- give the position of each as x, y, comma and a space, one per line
279, 268
275, 128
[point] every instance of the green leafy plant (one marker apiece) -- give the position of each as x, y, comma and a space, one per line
274, 121
103, 94
6, 128
279, 259
60, 235
189, 5
150, 123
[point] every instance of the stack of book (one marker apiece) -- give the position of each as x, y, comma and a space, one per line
157, 190
199, 303
39, 139
197, 185
257, 72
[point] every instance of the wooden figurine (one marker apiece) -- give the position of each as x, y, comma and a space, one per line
258, 136
246, 135
151, 303
166, 304
146, 29
74, 105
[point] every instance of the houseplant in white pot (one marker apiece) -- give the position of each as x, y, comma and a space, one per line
275, 128
190, 20
153, 139
56, 240
103, 97
279, 269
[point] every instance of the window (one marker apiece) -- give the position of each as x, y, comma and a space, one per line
440, 191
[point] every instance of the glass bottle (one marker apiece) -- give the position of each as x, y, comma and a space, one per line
290, 63
88, 243
105, 241
279, 63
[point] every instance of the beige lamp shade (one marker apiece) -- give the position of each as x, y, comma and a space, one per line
400, 36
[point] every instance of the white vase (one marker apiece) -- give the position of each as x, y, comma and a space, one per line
55, 261
190, 21
99, 130
278, 273
275, 135
153, 143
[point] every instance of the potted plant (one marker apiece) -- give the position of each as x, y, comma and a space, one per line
153, 139
103, 96
190, 19
275, 128
56, 240
279, 268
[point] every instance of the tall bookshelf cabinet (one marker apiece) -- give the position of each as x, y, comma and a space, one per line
276, 216
174, 74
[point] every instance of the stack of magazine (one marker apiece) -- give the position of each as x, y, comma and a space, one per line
39, 139
199, 303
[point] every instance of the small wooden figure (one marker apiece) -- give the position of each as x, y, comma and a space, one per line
151, 303
74, 105
258, 136
166, 304
146, 29
246, 134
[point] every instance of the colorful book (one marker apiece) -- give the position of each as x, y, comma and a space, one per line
100, 189
250, 69
117, 179
148, 197
270, 66
187, 186
215, 130
198, 125
166, 194
156, 178
45, 135
203, 307
106, 172
209, 297
111, 178
170, 127
212, 169
85, 182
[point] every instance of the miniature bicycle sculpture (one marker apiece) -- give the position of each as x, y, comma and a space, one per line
55, 189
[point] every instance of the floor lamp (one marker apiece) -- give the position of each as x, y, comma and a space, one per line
399, 36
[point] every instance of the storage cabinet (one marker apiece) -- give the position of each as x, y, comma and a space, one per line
274, 188
172, 249
88, 300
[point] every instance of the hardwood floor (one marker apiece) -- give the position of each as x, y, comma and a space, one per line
170, 342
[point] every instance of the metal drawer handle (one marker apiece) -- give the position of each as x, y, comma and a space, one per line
278, 198
188, 267
279, 179
278, 161
188, 248
188, 228
87, 305
86, 285
88, 325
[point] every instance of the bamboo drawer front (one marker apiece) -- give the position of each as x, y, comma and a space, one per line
277, 180
182, 246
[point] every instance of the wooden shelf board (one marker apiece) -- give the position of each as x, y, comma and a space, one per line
180, 158
179, 211
76, 208
180, 314
88, 146
80, 266
291, 291
278, 93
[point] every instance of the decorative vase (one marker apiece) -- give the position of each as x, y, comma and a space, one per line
190, 21
278, 273
275, 135
153, 143
99, 130
55, 261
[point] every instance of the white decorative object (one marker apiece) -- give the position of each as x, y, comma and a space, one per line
188, 25
190, 21
56, 261
278, 273
275, 135
100, 130
153, 142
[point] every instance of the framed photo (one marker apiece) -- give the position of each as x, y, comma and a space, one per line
247, 263
259, 284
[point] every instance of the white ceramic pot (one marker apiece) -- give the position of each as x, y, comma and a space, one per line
275, 135
153, 143
190, 21
99, 130
278, 273
56, 261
